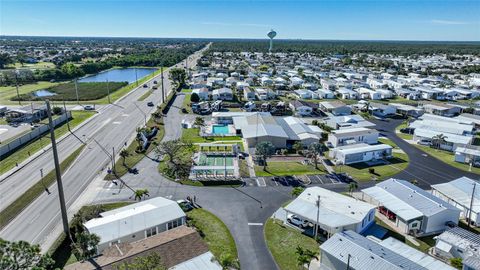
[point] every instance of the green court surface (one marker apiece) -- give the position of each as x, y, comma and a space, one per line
215, 161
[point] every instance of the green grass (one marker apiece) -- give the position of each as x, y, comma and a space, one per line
389, 142
215, 233
31, 148
3, 121
360, 171
283, 242
425, 243
186, 103
446, 157
8, 92
403, 135
135, 157
146, 95
192, 135
243, 167
86, 91
61, 251
282, 168
186, 90
12, 210
39, 65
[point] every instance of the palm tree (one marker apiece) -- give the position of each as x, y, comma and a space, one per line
438, 140
352, 187
124, 154
141, 193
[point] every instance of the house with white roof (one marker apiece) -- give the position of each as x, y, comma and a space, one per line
411, 209
350, 250
442, 109
325, 94
135, 221
458, 243
407, 110
335, 107
360, 152
295, 81
337, 212
202, 93
266, 81
248, 94
366, 93
468, 154
345, 93
382, 110
353, 136
459, 194
264, 93
305, 94
347, 121
222, 94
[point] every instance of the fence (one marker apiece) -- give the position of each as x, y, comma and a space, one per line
7, 149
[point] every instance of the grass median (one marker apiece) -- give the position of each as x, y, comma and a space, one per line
216, 235
32, 147
283, 168
283, 241
447, 157
12, 210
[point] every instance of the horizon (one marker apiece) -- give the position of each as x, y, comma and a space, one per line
358, 20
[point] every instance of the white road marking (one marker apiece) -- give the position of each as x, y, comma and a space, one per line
255, 224
125, 115
116, 123
261, 182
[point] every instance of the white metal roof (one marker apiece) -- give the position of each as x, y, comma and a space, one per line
460, 190
336, 210
133, 218
365, 254
407, 200
206, 261
361, 148
415, 255
449, 137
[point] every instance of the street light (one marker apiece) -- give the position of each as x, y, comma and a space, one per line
144, 114
16, 85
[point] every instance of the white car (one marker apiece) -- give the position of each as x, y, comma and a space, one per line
293, 219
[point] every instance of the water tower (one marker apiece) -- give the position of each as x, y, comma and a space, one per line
271, 35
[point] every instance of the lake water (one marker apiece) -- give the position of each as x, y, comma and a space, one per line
119, 75
43, 93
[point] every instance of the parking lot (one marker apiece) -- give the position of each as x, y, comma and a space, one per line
301, 180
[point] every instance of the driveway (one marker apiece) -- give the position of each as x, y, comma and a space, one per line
426, 169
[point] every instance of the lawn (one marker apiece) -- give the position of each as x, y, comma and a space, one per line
403, 135
134, 157
39, 65
186, 90
12, 210
61, 251
425, 243
214, 232
31, 148
145, 96
86, 91
360, 171
193, 135
8, 92
186, 103
447, 157
283, 242
282, 168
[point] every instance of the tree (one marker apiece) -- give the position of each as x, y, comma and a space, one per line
199, 122
71, 71
178, 76
152, 261
228, 261
194, 98
85, 245
414, 182
315, 151
352, 187
298, 147
124, 154
5, 59
456, 262
305, 256
57, 110
296, 191
178, 163
22, 255
438, 140
265, 150
141, 193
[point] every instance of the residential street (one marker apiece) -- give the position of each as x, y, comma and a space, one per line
115, 125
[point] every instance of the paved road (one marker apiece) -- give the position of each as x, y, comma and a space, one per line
112, 128
426, 169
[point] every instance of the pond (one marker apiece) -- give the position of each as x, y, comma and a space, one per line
119, 75
43, 93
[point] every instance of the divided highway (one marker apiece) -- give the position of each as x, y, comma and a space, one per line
112, 127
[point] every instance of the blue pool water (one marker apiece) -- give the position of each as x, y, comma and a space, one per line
119, 75
220, 129
43, 93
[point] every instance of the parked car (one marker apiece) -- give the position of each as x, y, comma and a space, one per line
295, 220
185, 205
150, 104
88, 108
145, 86
294, 182
280, 180
155, 82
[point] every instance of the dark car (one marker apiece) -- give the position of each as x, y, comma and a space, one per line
292, 181
145, 86
407, 130
150, 104
280, 180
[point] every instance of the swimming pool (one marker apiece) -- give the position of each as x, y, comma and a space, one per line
220, 129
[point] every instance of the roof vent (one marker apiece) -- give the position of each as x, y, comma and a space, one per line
353, 213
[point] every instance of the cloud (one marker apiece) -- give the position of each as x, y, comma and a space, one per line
448, 22
237, 24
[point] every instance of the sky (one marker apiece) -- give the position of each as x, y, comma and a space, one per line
443, 20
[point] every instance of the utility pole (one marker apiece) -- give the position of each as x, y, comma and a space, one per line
76, 91
58, 172
163, 90
66, 114
348, 261
318, 216
113, 160
136, 76
16, 85
471, 205
108, 92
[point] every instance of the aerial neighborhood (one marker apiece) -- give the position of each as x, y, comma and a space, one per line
231, 157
